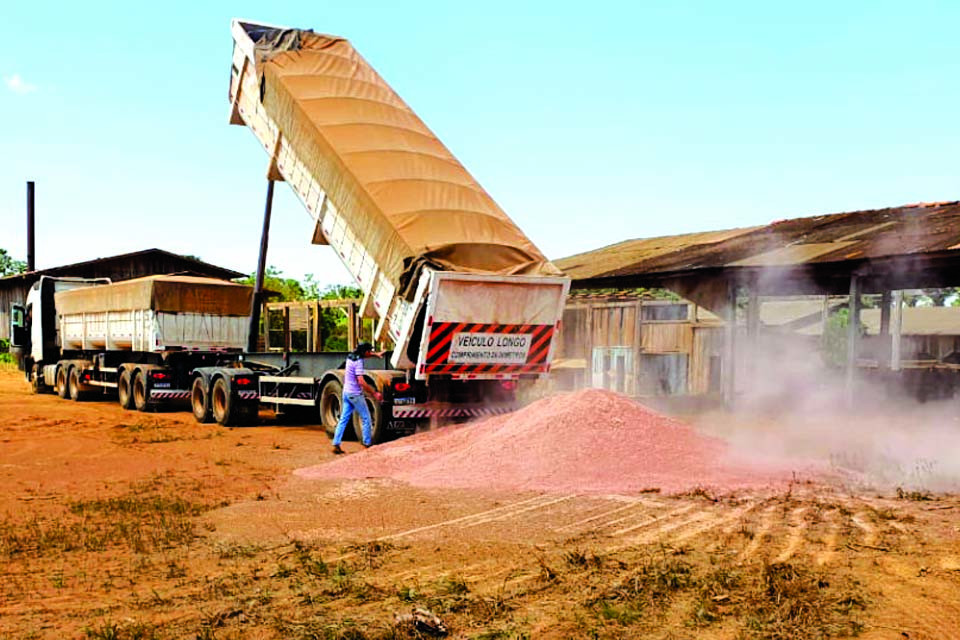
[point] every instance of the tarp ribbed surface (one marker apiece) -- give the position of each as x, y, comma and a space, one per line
401, 190
171, 294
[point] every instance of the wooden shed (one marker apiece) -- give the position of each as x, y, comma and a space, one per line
639, 347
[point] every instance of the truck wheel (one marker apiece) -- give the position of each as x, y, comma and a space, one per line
200, 402
73, 384
140, 400
125, 390
36, 385
222, 404
376, 412
330, 406
62, 390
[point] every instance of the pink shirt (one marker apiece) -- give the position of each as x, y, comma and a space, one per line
354, 369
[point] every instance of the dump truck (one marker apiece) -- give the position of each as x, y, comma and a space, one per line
470, 304
143, 339
468, 301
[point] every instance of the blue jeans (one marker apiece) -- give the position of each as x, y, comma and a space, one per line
353, 402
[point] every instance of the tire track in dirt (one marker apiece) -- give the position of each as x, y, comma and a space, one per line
634, 504
484, 517
733, 516
795, 532
861, 521
654, 520
766, 523
829, 553
658, 530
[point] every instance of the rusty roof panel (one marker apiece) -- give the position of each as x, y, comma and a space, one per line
834, 238
793, 254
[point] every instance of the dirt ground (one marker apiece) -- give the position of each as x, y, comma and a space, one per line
116, 524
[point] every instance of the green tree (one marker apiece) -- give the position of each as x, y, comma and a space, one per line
834, 339
333, 322
946, 297
285, 289
9, 266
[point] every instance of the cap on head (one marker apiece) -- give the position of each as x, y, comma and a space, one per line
363, 349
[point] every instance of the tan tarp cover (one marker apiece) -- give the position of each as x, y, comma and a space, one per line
171, 294
399, 187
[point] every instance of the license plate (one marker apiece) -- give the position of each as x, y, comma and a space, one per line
161, 385
399, 401
402, 426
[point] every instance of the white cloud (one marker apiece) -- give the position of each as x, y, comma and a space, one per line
18, 85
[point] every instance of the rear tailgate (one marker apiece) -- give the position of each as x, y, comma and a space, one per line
483, 326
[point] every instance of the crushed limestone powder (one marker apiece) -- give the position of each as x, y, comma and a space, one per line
590, 441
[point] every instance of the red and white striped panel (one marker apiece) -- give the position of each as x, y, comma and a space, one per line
441, 339
164, 394
413, 411
248, 395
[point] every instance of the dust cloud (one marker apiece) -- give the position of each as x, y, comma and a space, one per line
792, 406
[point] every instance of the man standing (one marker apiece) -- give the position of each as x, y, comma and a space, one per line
354, 387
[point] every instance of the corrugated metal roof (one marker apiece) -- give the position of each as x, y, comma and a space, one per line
599, 262
911, 230
80, 269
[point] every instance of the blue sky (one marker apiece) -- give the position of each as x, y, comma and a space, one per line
589, 123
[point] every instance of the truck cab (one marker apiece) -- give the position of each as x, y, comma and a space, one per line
34, 325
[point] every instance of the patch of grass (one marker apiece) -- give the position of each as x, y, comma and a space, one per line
237, 551
509, 633
149, 432
312, 566
143, 520
114, 631
917, 496
453, 585
371, 553
791, 602
580, 559
645, 589
698, 492
716, 594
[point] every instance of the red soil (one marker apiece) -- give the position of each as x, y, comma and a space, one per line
584, 442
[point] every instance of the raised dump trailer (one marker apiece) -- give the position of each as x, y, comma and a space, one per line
469, 302
142, 338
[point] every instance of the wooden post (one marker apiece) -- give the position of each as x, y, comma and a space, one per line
885, 328
258, 297
729, 345
896, 327
753, 329
853, 337
638, 346
266, 327
590, 341
286, 329
352, 327
824, 316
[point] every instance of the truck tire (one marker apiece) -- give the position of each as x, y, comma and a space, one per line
140, 399
125, 390
330, 406
62, 389
376, 412
223, 405
73, 384
36, 381
200, 401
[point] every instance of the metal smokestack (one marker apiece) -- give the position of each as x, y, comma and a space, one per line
31, 256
